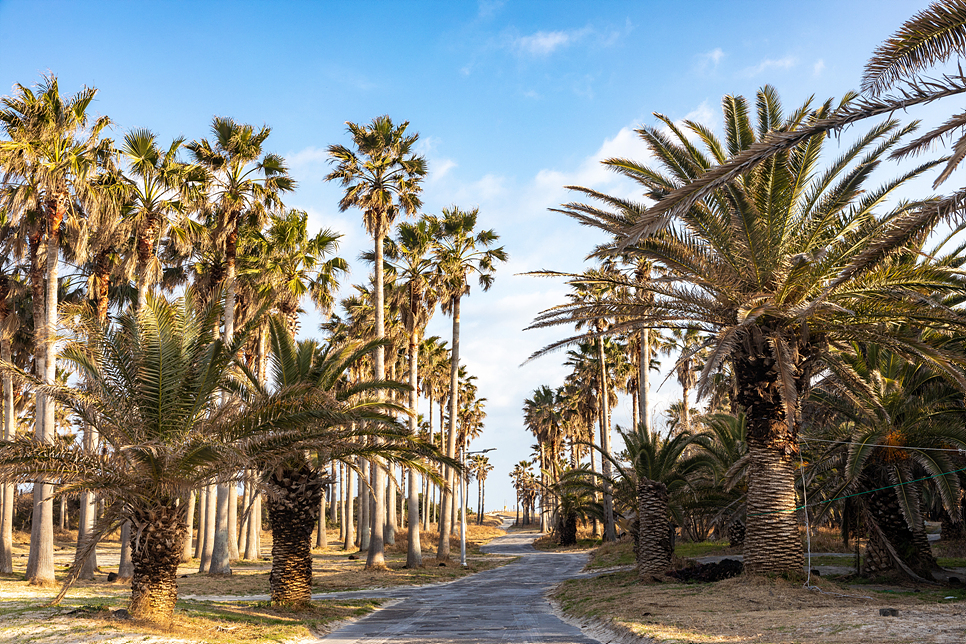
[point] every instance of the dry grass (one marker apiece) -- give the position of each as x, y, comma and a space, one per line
762, 609
252, 622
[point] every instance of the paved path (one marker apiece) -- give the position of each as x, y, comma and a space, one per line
505, 604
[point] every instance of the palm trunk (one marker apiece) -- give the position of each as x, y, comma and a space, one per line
202, 517
190, 521
376, 557
321, 538
645, 384
293, 510
414, 555
336, 487
654, 549
7, 489
225, 531
88, 510
347, 506
157, 546
365, 505
610, 530
446, 520
911, 546
211, 495
772, 541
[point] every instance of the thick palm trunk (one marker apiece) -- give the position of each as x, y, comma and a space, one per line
610, 529
7, 489
202, 516
125, 569
911, 546
321, 538
365, 505
772, 541
293, 509
654, 548
376, 557
446, 520
156, 546
334, 493
414, 554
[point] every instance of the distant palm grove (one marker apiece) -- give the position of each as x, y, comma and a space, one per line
150, 294
809, 300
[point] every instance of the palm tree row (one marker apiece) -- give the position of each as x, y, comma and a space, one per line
804, 300
205, 219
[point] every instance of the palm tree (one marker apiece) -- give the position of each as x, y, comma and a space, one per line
891, 428
774, 268
434, 371
382, 179
415, 273
480, 467
159, 185
51, 155
295, 483
242, 180
460, 252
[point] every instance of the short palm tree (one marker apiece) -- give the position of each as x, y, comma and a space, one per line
891, 428
381, 180
354, 416
774, 268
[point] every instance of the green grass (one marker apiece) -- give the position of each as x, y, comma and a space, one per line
952, 562
693, 550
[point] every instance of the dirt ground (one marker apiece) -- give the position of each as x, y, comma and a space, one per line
772, 610
87, 615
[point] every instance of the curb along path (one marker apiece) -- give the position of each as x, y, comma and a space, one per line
506, 604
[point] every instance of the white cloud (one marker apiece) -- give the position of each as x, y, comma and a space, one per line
710, 59
489, 8
769, 64
306, 157
543, 43
818, 67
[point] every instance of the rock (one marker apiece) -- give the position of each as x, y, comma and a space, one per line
888, 612
442, 564
112, 576
816, 572
121, 613
352, 557
954, 580
724, 569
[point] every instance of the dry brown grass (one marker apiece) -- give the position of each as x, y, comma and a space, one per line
762, 609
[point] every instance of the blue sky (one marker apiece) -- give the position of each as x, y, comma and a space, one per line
513, 101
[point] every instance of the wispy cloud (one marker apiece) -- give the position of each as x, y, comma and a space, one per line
818, 67
709, 60
544, 43
771, 63
489, 8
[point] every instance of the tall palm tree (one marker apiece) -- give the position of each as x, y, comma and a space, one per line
460, 252
481, 467
434, 356
159, 186
51, 154
776, 267
415, 273
382, 179
242, 181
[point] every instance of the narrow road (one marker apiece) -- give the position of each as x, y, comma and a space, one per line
505, 604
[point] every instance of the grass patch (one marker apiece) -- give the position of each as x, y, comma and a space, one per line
620, 553
693, 550
951, 562
744, 608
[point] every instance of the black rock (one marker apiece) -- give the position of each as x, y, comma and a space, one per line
888, 612
121, 613
352, 557
816, 572
184, 576
954, 580
708, 572
442, 564
112, 576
